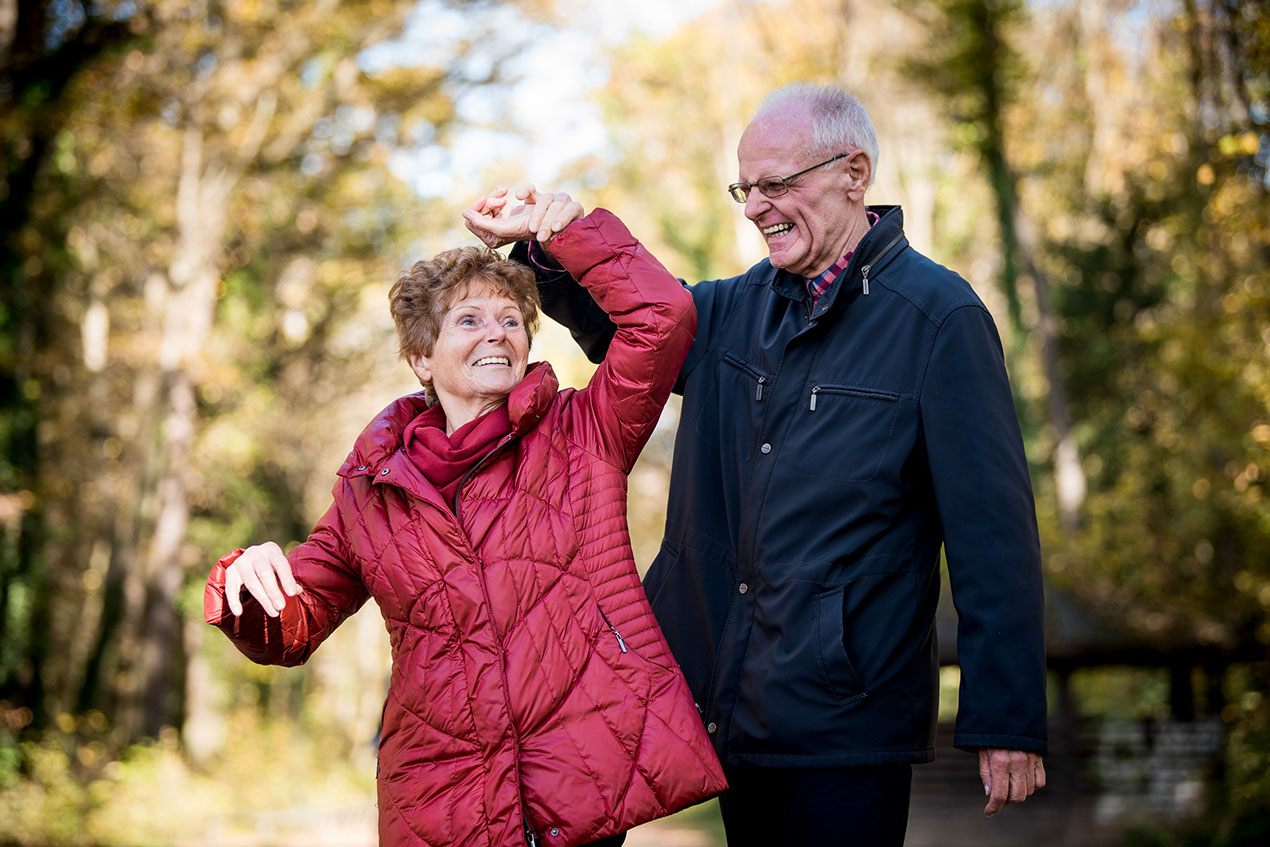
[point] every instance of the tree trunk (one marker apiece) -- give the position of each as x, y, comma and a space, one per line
202, 199
1069, 475
1105, 99
1019, 246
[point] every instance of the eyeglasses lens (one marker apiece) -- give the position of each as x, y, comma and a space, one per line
772, 186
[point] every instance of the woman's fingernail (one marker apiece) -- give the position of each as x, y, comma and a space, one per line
986, 790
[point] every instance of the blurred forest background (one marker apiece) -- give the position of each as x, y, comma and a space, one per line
204, 202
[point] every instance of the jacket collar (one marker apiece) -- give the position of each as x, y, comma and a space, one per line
877, 244
384, 436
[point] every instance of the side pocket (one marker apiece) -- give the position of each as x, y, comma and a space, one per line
659, 571
839, 673
621, 644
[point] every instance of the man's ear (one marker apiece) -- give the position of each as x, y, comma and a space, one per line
859, 171
419, 364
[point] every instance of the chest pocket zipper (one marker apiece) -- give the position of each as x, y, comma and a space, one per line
858, 392
760, 378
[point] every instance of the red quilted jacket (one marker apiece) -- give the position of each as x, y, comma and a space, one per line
531, 687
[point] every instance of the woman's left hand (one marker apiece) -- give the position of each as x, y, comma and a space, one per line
541, 215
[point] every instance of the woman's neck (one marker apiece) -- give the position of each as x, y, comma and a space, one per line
460, 414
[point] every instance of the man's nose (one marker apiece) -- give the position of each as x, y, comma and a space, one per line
755, 203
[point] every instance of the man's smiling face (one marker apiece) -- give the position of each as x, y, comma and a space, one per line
809, 227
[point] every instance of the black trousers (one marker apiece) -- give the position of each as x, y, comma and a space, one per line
813, 807
611, 841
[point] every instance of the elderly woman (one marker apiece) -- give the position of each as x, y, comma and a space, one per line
533, 699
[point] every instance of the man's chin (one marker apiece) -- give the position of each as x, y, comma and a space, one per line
786, 260
785, 263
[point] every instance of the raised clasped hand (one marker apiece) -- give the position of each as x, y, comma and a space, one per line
539, 215
266, 574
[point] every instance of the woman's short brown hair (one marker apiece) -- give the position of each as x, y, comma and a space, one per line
421, 296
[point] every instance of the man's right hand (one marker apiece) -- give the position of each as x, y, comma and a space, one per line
1009, 776
541, 215
266, 574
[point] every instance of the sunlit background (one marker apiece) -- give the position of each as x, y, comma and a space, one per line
204, 204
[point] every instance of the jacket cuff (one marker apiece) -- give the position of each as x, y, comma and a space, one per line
215, 606
973, 741
592, 241
543, 264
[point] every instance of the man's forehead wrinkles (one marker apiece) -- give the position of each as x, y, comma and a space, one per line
766, 152
756, 168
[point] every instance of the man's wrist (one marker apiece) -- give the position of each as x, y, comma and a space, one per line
542, 260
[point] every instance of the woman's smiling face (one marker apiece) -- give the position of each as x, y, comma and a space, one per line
480, 355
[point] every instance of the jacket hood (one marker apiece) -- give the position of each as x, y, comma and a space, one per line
385, 435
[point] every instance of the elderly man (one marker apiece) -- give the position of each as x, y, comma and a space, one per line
845, 413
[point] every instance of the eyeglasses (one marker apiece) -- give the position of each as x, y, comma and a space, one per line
772, 186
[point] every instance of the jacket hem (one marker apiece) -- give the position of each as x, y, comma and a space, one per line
834, 760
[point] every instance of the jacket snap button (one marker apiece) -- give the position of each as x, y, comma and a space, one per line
362, 468
743, 588
384, 472
555, 831
712, 727
766, 448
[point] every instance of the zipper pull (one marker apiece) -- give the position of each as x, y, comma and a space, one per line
620, 642
813, 397
758, 395
864, 272
531, 840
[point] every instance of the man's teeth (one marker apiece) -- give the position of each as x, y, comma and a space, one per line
492, 360
777, 229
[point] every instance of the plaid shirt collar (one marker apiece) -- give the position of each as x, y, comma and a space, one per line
818, 285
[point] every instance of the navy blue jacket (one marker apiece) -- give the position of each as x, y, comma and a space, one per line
822, 459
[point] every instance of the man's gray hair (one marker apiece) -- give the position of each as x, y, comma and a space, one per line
839, 120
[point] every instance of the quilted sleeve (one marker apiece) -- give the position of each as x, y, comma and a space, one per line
655, 320
570, 305
333, 591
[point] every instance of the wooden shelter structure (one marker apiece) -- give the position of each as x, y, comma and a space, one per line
1105, 774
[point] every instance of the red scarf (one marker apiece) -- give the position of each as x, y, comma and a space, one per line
442, 459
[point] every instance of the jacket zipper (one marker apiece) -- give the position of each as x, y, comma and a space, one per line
507, 439
531, 838
864, 271
859, 392
759, 377
620, 642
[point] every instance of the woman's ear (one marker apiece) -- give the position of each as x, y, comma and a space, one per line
419, 364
